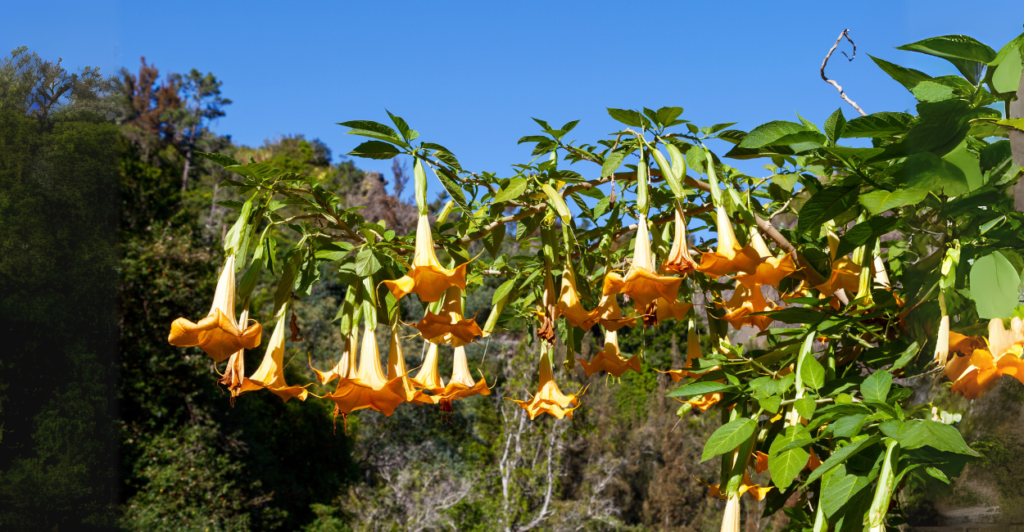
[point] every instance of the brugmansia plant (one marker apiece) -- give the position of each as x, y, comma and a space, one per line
904, 259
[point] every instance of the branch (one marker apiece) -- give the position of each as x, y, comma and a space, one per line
845, 33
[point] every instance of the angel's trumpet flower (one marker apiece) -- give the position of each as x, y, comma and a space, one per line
744, 302
462, 384
369, 388
729, 257
218, 334
845, 272
679, 260
976, 374
549, 399
692, 353
396, 367
771, 270
754, 491
428, 378
665, 309
346, 366
569, 304
427, 278
641, 283
234, 374
270, 374
608, 312
449, 327
609, 359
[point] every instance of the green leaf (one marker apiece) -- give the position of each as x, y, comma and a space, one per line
824, 206
994, 286
375, 149
907, 77
668, 115
834, 125
966, 53
940, 127
918, 433
1006, 77
629, 117
367, 262
925, 171
373, 130
937, 473
880, 201
516, 187
812, 373
770, 133
503, 291
968, 164
222, 160
879, 125
839, 487
613, 161
841, 456
728, 437
864, 232
700, 388
875, 388
849, 426
492, 241
403, 127
770, 403
786, 465
287, 281
453, 189
805, 406
794, 315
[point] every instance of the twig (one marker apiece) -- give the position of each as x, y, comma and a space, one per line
845, 33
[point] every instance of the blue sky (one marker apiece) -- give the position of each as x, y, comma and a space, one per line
470, 75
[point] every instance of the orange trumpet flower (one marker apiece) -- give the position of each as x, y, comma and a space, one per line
608, 312
449, 327
974, 375
462, 384
218, 334
771, 270
609, 359
234, 374
346, 366
270, 374
569, 303
729, 257
368, 388
549, 399
692, 353
679, 260
427, 278
641, 283
744, 302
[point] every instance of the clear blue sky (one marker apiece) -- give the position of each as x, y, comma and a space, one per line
470, 75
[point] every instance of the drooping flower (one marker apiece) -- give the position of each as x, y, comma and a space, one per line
974, 375
569, 304
270, 374
427, 278
428, 378
754, 491
942, 343
549, 399
396, 367
665, 309
641, 283
449, 327
462, 384
218, 334
771, 270
346, 366
234, 374
729, 257
744, 302
608, 312
609, 359
845, 272
679, 260
368, 388
692, 353
704, 402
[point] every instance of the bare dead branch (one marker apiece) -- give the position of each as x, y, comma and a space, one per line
845, 33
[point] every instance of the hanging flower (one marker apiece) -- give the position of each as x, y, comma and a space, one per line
665, 309
771, 270
845, 272
368, 388
234, 374
609, 359
547, 309
549, 399
704, 402
449, 327
692, 353
729, 257
569, 304
641, 283
974, 375
427, 278
218, 334
396, 367
270, 374
679, 260
462, 384
608, 312
744, 302
754, 491
346, 366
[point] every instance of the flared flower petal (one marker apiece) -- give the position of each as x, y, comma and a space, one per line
704, 402
346, 366
744, 302
771, 270
845, 276
974, 375
270, 374
665, 309
641, 283
692, 354
234, 374
427, 278
369, 388
549, 399
729, 257
396, 367
569, 304
218, 334
608, 312
679, 260
428, 378
610, 359
449, 327
462, 384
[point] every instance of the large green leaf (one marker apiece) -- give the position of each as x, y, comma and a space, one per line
925, 171
786, 465
375, 149
700, 388
451, 186
222, 160
812, 372
967, 162
367, 262
629, 117
728, 437
835, 125
839, 486
880, 125
770, 133
880, 201
907, 77
940, 127
373, 130
613, 161
865, 231
516, 187
966, 53
994, 286
1006, 77
876, 387
922, 432
841, 456
824, 206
